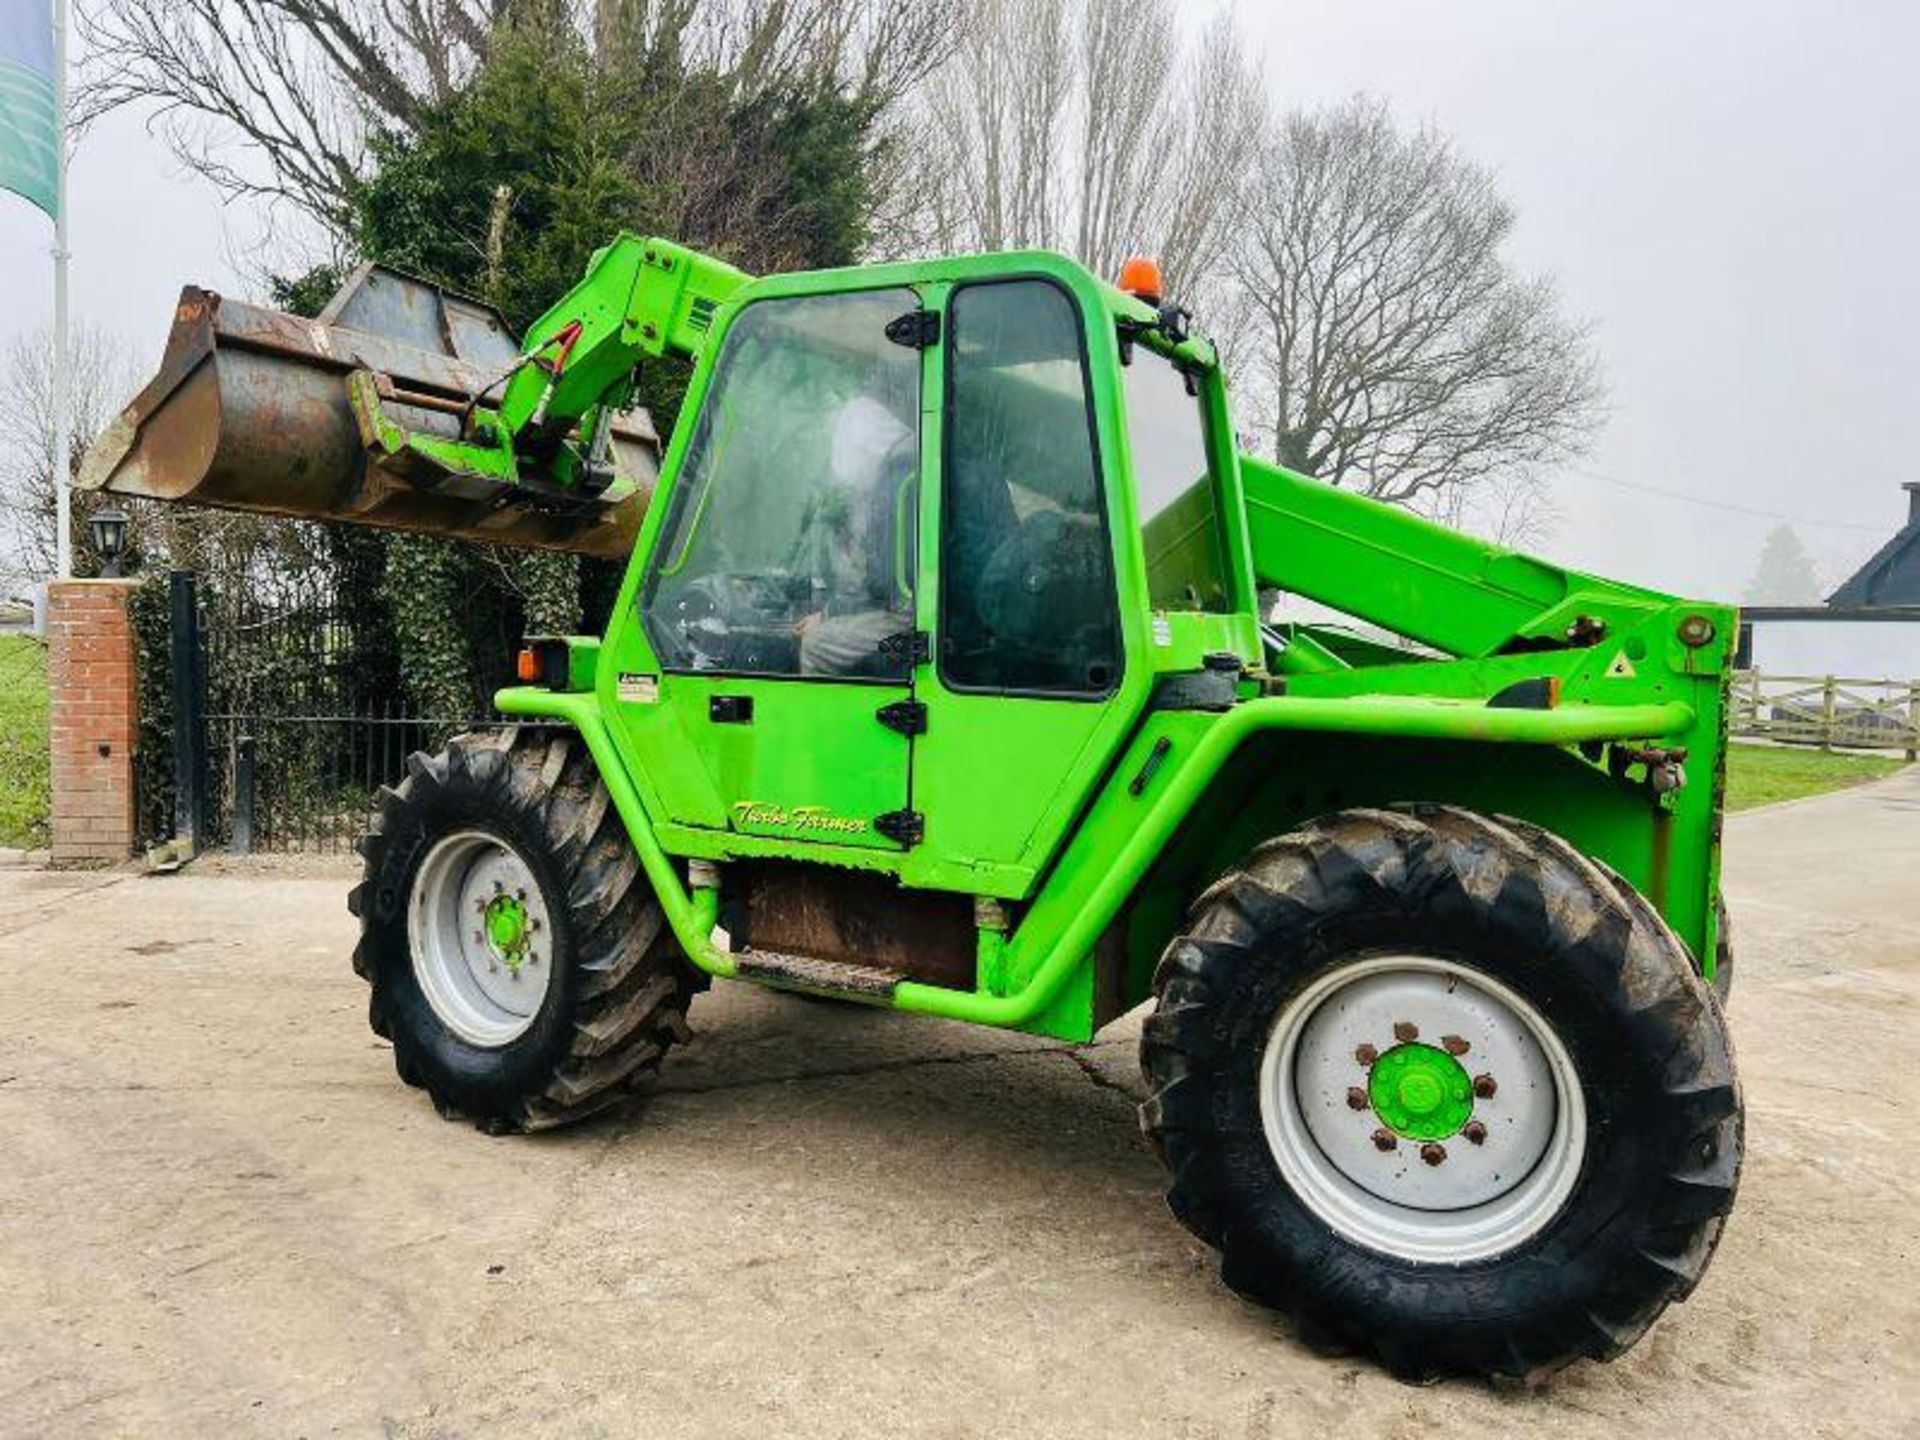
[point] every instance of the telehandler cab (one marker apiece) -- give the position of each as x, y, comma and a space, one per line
943, 679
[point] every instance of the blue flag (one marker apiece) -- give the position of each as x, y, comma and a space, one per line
29, 125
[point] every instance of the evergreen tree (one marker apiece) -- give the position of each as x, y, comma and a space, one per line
1785, 574
503, 191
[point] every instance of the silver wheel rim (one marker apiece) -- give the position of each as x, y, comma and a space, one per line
1479, 1196
484, 979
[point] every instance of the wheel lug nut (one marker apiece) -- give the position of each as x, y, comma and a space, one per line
479, 938
1475, 1132
1366, 1054
1484, 1087
1454, 1045
1356, 1098
1405, 1031
1384, 1139
1433, 1152
520, 894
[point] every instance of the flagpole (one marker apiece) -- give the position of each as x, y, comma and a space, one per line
62, 418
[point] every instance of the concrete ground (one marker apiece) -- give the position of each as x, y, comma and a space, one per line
220, 1213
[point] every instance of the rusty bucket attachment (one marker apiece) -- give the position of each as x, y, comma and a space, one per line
251, 411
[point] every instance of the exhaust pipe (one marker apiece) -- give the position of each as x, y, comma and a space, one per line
251, 410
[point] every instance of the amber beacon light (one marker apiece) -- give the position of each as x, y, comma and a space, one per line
1140, 278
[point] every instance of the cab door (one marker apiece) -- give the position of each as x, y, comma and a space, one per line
1030, 692
778, 599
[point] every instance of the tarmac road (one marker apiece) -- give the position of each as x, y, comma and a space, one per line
220, 1213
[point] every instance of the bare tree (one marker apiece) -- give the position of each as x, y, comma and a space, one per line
877, 49
219, 543
98, 382
275, 98
272, 98
1516, 508
1087, 126
1394, 350
730, 185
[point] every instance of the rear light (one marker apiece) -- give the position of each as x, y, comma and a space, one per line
547, 663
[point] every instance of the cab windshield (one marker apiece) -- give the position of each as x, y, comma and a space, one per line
789, 548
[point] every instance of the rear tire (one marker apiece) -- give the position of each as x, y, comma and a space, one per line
589, 992
1617, 1096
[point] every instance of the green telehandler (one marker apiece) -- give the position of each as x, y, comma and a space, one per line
946, 678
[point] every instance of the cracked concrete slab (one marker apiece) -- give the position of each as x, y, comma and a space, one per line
219, 1211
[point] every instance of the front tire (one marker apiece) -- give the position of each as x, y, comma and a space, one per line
519, 961
1436, 1090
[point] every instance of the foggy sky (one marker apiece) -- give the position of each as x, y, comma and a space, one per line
1728, 190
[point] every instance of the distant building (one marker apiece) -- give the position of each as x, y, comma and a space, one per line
1892, 576
1849, 634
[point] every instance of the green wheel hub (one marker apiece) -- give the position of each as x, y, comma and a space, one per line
478, 927
506, 924
1420, 1092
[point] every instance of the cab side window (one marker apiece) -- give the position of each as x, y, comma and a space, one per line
1027, 598
1166, 433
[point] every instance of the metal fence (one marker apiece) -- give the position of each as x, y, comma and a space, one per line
297, 738
304, 782
1827, 710
284, 722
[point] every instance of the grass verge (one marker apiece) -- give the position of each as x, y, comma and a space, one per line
24, 783
1768, 774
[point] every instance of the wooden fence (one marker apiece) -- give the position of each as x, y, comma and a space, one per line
1828, 710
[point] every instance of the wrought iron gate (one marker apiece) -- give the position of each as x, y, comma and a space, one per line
283, 723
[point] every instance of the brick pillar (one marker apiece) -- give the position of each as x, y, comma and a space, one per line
90, 677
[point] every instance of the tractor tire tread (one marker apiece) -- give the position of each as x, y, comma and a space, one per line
632, 985
1445, 862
